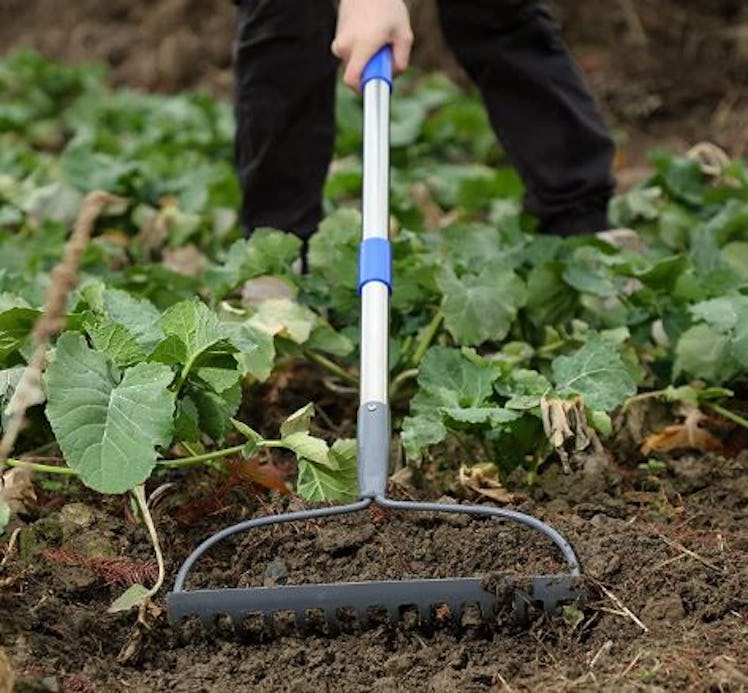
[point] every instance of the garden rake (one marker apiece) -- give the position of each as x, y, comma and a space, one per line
340, 600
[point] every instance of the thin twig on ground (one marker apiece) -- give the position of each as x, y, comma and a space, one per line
604, 649
679, 547
11, 545
622, 609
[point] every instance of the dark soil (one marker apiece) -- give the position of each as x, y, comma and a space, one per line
666, 574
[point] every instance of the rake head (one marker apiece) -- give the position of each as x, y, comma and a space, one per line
333, 606
341, 605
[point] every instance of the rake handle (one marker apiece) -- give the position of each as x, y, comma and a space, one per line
375, 279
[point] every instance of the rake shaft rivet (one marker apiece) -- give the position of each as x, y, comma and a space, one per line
371, 407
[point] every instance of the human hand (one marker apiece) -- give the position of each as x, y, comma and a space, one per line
364, 26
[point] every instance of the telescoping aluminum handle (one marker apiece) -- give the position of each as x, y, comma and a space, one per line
375, 278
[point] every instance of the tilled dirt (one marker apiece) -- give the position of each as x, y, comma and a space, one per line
666, 578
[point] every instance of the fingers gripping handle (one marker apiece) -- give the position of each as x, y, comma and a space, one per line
378, 67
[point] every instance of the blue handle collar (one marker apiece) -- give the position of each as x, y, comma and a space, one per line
378, 67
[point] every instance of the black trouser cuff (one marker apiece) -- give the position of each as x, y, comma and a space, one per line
578, 223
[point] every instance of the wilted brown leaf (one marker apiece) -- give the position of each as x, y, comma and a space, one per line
17, 489
484, 479
688, 435
565, 425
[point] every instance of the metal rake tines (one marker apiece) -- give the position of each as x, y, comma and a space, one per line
440, 599
364, 599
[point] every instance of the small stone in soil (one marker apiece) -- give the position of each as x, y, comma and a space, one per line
275, 574
664, 609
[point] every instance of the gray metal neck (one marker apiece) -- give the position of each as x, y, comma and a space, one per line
373, 439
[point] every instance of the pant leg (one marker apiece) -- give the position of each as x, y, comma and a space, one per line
285, 111
539, 107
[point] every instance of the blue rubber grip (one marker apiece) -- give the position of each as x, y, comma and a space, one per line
379, 67
375, 262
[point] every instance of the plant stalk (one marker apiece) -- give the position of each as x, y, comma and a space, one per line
427, 338
330, 366
732, 416
199, 459
43, 468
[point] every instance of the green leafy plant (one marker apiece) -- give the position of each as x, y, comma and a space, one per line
491, 324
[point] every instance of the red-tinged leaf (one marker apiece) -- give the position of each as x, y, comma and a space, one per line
264, 474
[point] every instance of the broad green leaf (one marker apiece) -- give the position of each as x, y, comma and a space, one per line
721, 313
483, 307
704, 353
681, 176
524, 388
421, 431
255, 347
333, 259
139, 316
215, 411
324, 338
299, 422
107, 423
116, 341
309, 447
186, 421
550, 300
270, 252
219, 379
589, 271
407, 117
736, 256
266, 252
597, 373
196, 325
133, 596
471, 247
454, 380
664, 274
318, 483
171, 351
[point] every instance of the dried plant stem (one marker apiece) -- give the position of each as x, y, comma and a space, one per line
139, 493
622, 609
64, 278
687, 552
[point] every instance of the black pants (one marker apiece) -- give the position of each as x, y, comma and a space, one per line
536, 99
